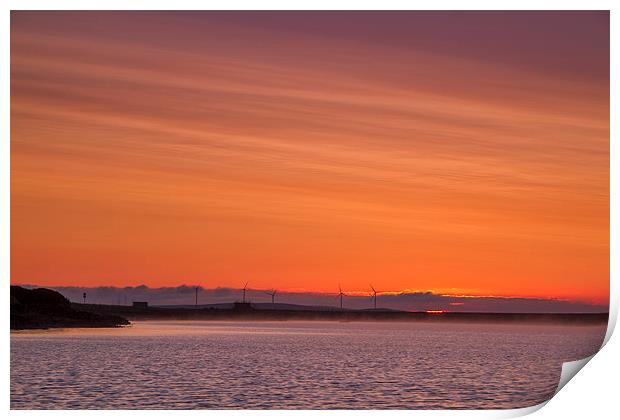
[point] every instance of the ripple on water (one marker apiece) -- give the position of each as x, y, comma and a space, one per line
270, 365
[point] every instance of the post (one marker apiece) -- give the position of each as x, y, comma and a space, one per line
84, 296
196, 297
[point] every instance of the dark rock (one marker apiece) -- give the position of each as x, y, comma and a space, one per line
45, 308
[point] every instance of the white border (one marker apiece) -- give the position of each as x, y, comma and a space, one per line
591, 395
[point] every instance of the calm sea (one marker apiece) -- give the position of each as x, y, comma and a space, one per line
281, 365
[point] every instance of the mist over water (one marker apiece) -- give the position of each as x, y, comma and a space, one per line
305, 365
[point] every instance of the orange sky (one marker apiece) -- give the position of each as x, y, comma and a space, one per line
214, 149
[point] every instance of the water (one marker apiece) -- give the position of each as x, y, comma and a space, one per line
281, 365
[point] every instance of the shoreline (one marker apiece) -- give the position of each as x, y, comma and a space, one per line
246, 312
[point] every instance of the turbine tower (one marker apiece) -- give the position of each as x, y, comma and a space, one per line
374, 296
196, 303
340, 294
244, 289
273, 295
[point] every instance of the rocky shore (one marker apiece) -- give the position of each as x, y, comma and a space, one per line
45, 308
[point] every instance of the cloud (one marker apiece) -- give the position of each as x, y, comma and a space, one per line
410, 301
208, 148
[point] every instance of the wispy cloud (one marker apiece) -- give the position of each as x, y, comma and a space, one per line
201, 146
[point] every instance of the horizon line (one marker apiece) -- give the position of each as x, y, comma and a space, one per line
350, 293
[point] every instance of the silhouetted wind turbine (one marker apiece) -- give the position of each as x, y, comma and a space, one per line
374, 296
273, 295
196, 304
341, 295
244, 289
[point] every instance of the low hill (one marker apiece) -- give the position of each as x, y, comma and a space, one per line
45, 308
261, 306
284, 312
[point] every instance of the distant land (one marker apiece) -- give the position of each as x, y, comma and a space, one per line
44, 308
286, 312
407, 300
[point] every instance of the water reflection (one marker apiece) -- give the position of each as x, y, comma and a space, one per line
189, 365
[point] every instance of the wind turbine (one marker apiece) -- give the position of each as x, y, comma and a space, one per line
341, 294
374, 296
273, 295
244, 289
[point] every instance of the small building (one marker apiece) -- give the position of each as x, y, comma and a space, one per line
140, 304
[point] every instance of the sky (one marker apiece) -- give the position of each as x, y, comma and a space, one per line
450, 153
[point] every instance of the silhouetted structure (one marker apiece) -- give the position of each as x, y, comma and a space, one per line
374, 296
341, 294
244, 289
140, 304
273, 295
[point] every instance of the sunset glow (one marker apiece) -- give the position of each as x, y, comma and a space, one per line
303, 152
